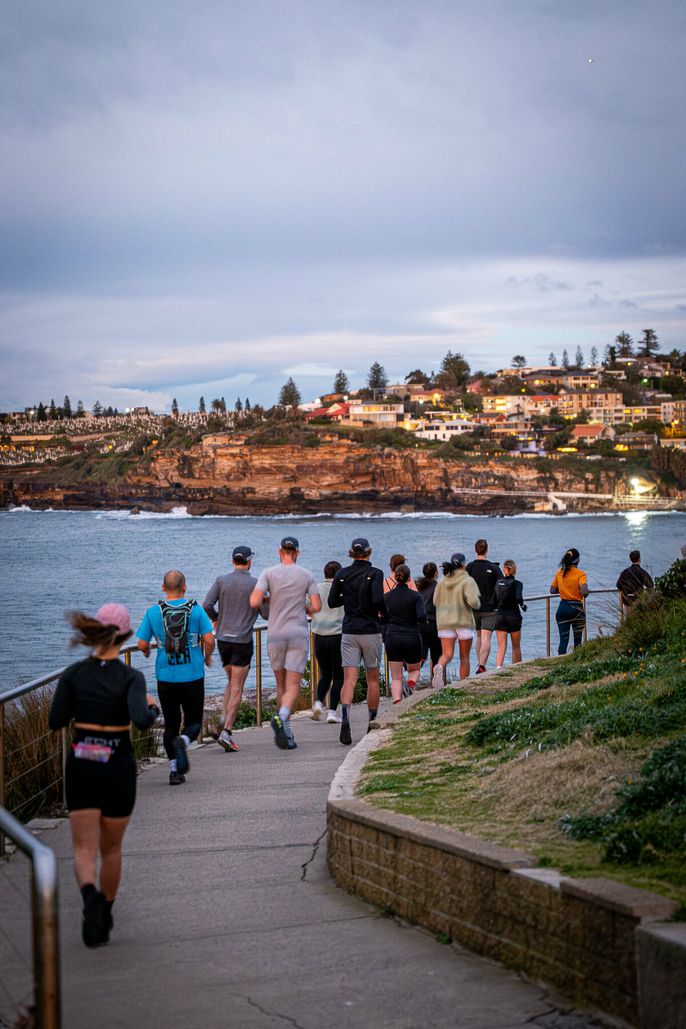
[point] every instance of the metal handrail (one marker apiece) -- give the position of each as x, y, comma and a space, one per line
45, 927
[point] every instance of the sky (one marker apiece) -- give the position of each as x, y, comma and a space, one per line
205, 197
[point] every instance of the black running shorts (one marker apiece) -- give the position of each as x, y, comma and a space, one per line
403, 646
237, 654
110, 787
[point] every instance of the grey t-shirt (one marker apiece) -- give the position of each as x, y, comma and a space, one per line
287, 586
228, 601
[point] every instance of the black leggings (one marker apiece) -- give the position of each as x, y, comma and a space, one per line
327, 650
430, 642
176, 697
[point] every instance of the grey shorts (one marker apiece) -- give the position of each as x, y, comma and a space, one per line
289, 654
356, 648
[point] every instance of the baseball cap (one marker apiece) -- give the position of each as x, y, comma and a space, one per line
116, 615
360, 543
291, 542
242, 554
458, 559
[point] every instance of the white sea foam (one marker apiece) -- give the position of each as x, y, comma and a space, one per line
20, 509
176, 512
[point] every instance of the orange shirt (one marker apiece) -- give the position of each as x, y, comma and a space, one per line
568, 585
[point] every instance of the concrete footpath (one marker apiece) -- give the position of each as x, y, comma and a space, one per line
227, 916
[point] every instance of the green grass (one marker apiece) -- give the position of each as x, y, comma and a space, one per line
579, 761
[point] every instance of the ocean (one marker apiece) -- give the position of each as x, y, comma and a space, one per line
56, 561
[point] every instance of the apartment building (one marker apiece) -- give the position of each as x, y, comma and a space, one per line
602, 405
380, 415
443, 430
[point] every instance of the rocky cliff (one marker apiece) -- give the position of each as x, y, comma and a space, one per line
224, 475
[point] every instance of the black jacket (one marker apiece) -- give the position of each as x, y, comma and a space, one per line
485, 575
632, 582
358, 589
405, 607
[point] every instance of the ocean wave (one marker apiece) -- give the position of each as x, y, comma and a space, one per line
20, 509
176, 512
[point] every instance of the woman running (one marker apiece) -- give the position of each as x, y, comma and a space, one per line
571, 585
390, 581
327, 629
103, 696
509, 599
456, 598
403, 640
426, 586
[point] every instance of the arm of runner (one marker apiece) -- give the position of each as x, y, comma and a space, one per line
143, 710
259, 594
209, 604
206, 634
378, 602
145, 634
60, 710
421, 609
313, 602
208, 648
335, 598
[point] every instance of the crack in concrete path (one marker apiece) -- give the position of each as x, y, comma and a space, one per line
266, 1011
315, 847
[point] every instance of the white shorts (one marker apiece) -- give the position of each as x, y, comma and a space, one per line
456, 634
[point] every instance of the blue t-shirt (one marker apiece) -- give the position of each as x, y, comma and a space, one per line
190, 663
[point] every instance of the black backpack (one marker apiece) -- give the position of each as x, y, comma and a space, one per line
176, 619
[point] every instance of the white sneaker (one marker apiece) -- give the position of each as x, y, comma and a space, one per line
317, 710
333, 717
438, 678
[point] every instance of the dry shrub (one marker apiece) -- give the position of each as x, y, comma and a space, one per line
33, 755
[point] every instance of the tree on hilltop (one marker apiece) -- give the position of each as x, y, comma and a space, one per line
594, 357
80, 409
175, 408
341, 383
579, 360
565, 359
649, 343
41, 416
97, 409
66, 407
519, 362
625, 345
201, 406
552, 360
454, 372
53, 410
417, 378
238, 406
610, 356
248, 408
289, 395
376, 377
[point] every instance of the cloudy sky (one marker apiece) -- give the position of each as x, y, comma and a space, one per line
207, 196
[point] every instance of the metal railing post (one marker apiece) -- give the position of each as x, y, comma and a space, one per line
64, 735
547, 626
386, 672
258, 675
621, 608
2, 772
585, 637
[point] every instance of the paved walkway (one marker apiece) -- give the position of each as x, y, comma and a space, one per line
227, 915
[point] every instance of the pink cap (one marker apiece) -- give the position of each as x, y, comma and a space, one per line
116, 615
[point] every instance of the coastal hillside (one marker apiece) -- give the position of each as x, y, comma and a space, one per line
232, 473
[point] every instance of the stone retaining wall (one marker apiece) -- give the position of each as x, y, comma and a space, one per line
576, 934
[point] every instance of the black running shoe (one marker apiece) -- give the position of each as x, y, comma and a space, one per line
175, 778
181, 755
345, 736
95, 927
280, 734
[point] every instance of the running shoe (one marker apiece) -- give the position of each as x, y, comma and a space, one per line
406, 690
317, 710
280, 735
333, 717
292, 745
95, 929
181, 755
480, 669
345, 735
226, 741
175, 778
438, 678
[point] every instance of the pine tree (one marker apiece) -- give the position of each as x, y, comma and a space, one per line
53, 410
565, 359
552, 360
376, 377
454, 372
579, 360
594, 357
80, 410
625, 345
201, 406
223, 407
248, 408
341, 383
175, 408
97, 409
649, 343
610, 356
519, 362
289, 395
238, 406
66, 407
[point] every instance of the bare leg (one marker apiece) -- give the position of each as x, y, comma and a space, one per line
85, 835
413, 672
291, 689
349, 680
502, 647
280, 677
396, 680
234, 693
448, 648
465, 647
111, 835
484, 651
373, 691
516, 647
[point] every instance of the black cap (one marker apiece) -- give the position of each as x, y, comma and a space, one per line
243, 554
458, 560
360, 544
290, 542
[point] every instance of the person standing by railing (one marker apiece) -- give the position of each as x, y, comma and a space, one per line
509, 603
103, 696
634, 580
571, 585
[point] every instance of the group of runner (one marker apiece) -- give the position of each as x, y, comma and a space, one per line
355, 612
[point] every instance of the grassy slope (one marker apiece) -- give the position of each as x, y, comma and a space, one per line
507, 757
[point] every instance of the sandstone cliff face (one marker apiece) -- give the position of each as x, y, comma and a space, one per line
224, 475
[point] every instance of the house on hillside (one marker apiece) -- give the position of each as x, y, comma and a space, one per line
587, 434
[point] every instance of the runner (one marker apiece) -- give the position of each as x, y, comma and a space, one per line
184, 646
327, 626
102, 695
403, 639
389, 582
228, 607
509, 598
427, 587
571, 585
358, 589
485, 573
456, 599
634, 580
293, 594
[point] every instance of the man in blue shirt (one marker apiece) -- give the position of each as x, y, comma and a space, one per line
184, 646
